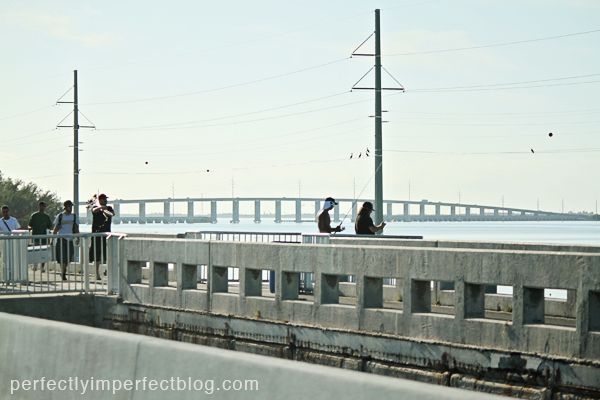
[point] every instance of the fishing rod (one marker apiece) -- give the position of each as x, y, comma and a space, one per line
359, 195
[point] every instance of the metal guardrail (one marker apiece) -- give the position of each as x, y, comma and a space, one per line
32, 263
306, 280
262, 237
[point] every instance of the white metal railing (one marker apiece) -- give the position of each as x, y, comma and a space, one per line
58, 263
306, 280
262, 237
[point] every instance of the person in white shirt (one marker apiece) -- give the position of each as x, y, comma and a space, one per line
65, 224
8, 223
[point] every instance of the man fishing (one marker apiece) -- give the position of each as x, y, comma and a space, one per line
323, 218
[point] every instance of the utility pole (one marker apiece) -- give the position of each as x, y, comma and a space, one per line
378, 127
75, 144
75, 127
378, 114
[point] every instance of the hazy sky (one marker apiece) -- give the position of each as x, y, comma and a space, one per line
188, 96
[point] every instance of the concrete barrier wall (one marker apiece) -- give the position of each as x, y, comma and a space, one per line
460, 244
528, 272
33, 349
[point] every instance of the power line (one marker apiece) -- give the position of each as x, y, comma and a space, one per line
325, 20
235, 85
507, 85
239, 149
159, 128
404, 121
27, 135
413, 53
509, 113
522, 152
504, 88
26, 113
175, 124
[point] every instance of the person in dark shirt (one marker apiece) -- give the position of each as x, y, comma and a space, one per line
323, 218
101, 220
39, 224
364, 224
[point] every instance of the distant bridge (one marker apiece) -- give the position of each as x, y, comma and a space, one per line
288, 209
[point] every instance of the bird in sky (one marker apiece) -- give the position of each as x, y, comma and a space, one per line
532, 151
351, 155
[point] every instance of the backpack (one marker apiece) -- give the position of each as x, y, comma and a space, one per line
75, 224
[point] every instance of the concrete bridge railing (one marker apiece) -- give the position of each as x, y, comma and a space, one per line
117, 365
524, 328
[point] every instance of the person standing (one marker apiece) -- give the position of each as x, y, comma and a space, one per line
8, 223
323, 218
101, 222
65, 224
364, 223
39, 224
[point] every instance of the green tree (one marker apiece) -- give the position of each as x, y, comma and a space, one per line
23, 197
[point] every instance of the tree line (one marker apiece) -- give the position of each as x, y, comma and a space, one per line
23, 197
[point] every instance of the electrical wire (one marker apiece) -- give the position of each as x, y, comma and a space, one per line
150, 128
515, 42
522, 152
26, 113
27, 135
506, 85
175, 124
235, 85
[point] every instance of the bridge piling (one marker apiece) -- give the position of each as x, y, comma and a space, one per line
277, 211
257, 211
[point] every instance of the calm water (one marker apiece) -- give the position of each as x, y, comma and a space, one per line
570, 232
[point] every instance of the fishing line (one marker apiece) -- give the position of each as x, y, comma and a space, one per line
360, 194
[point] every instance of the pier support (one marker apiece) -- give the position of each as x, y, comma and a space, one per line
190, 211
166, 211
213, 212
389, 214
257, 211
298, 210
235, 214
278, 211
437, 210
406, 210
141, 212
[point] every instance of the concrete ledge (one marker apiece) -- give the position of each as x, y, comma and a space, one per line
114, 355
